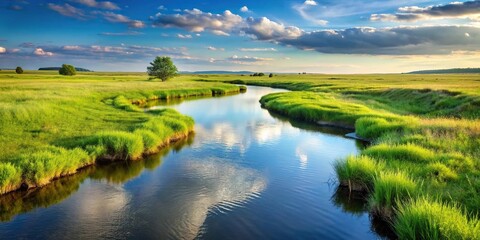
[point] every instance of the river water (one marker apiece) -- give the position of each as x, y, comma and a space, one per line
245, 174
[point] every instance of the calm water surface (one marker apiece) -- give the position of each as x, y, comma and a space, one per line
245, 174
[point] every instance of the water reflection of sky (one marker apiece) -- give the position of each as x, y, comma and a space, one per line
246, 175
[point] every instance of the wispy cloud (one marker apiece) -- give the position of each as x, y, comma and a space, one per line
3, 50
305, 12
321, 10
211, 48
257, 49
469, 9
119, 18
14, 7
186, 36
68, 11
112, 52
246, 60
98, 4
128, 33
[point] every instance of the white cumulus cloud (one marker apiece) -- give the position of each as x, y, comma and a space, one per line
197, 21
41, 52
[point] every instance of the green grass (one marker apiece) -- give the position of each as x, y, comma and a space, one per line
425, 125
52, 125
357, 173
426, 219
406, 152
391, 188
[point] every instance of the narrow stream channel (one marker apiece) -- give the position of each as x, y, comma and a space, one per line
245, 174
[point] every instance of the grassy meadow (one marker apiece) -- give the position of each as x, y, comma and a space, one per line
52, 125
421, 172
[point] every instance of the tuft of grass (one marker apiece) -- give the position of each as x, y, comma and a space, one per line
357, 173
391, 188
123, 103
375, 127
10, 177
151, 141
117, 144
425, 219
314, 107
405, 152
40, 167
440, 172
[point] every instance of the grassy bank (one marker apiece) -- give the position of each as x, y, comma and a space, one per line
422, 170
53, 125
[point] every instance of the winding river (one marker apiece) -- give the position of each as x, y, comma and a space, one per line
245, 174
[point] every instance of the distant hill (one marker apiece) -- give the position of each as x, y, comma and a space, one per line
58, 68
219, 72
447, 71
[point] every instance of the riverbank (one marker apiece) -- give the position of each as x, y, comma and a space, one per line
421, 172
52, 125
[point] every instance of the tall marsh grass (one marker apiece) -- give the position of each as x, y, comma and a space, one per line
426, 219
391, 189
404, 152
357, 173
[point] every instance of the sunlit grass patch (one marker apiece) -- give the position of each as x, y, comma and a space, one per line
390, 189
118, 144
406, 152
375, 127
10, 177
357, 173
426, 219
40, 167
440, 172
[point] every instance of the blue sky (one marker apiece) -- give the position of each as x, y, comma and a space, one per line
325, 36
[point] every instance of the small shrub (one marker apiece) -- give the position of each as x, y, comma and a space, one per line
67, 70
19, 70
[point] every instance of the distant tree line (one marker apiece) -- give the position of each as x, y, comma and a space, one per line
260, 75
58, 68
447, 71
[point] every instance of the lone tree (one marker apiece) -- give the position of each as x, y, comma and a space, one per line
67, 70
19, 70
270, 75
163, 68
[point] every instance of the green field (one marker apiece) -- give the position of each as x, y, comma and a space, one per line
52, 125
421, 171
